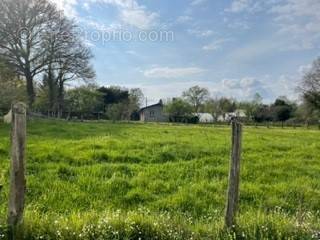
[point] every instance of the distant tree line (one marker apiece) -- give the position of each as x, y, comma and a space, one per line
93, 102
198, 100
183, 109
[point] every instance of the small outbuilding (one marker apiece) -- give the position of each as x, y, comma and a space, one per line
153, 113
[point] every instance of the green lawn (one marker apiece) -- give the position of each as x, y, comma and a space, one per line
152, 181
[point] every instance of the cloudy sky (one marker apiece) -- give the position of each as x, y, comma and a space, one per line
233, 47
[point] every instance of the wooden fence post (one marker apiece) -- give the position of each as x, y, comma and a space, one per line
234, 175
17, 176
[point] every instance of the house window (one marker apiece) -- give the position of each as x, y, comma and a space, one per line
151, 113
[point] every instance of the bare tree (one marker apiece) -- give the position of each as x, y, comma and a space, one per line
68, 60
23, 24
73, 64
311, 86
196, 96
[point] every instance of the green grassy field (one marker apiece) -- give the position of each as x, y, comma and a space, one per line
136, 181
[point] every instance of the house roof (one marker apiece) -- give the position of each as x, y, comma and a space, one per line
160, 104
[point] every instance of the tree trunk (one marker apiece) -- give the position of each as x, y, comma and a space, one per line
30, 89
60, 98
52, 90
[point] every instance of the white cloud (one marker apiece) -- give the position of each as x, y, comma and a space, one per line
304, 69
200, 33
167, 72
206, 33
216, 45
139, 18
244, 83
230, 83
239, 6
250, 6
131, 52
86, 6
237, 24
299, 19
113, 27
245, 88
249, 52
68, 6
184, 19
197, 2
298, 8
130, 12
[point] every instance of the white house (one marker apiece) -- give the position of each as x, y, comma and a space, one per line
227, 117
8, 118
205, 117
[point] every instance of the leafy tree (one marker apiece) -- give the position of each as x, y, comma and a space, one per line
196, 96
306, 113
47, 94
136, 96
282, 110
227, 105
262, 114
135, 101
118, 111
212, 106
120, 103
251, 107
179, 111
12, 88
84, 100
116, 102
113, 94
257, 99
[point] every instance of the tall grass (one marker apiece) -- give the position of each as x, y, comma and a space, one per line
155, 181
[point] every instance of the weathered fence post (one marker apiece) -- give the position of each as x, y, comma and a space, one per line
17, 176
234, 175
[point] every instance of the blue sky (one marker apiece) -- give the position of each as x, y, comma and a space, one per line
235, 48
